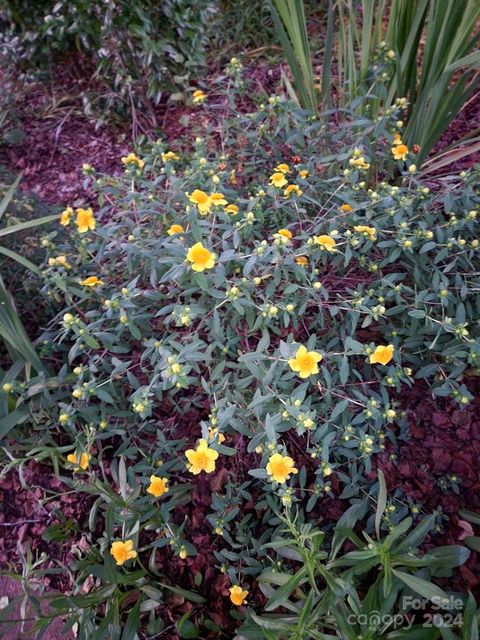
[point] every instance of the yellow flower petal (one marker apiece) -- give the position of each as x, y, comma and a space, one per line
382, 354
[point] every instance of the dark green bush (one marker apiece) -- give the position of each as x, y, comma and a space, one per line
140, 48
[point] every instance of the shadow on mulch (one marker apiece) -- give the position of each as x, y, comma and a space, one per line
443, 443
59, 138
11, 593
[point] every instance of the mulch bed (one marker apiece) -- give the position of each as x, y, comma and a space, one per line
444, 442
467, 122
59, 138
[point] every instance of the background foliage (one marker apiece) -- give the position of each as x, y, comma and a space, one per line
426, 52
139, 49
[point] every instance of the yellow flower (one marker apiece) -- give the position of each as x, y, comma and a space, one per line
214, 433
360, 163
346, 208
202, 200
304, 173
81, 463
400, 151
278, 180
218, 199
369, 232
201, 459
282, 168
158, 486
200, 257
133, 160
285, 233
238, 595
382, 354
199, 96
66, 216
59, 261
91, 281
305, 362
302, 261
85, 220
174, 229
326, 242
62, 260
123, 551
280, 467
292, 188
232, 208
169, 155
397, 139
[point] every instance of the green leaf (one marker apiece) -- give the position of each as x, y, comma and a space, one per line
9, 195
30, 224
186, 628
417, 535
470, 516
132, 625
381, 502
188, 595
282, 594
10, 421
422, 587
21, 260
344, 370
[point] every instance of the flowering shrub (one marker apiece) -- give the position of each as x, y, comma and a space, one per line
161, 43
237, 327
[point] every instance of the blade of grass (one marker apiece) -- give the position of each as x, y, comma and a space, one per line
9, 195
327, 59
13, 331
291, 27
21, 226
21, 260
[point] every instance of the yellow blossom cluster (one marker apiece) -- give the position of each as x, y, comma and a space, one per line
399, 149
133, 161
279, 180
84, 219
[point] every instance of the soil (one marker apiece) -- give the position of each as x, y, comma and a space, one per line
443, 444
11, 596
59, 138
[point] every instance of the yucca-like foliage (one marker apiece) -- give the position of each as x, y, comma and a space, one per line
291, 25
12, 330
421, 50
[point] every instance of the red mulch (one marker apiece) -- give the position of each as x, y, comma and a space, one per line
59, 138
26, 512
443, 441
